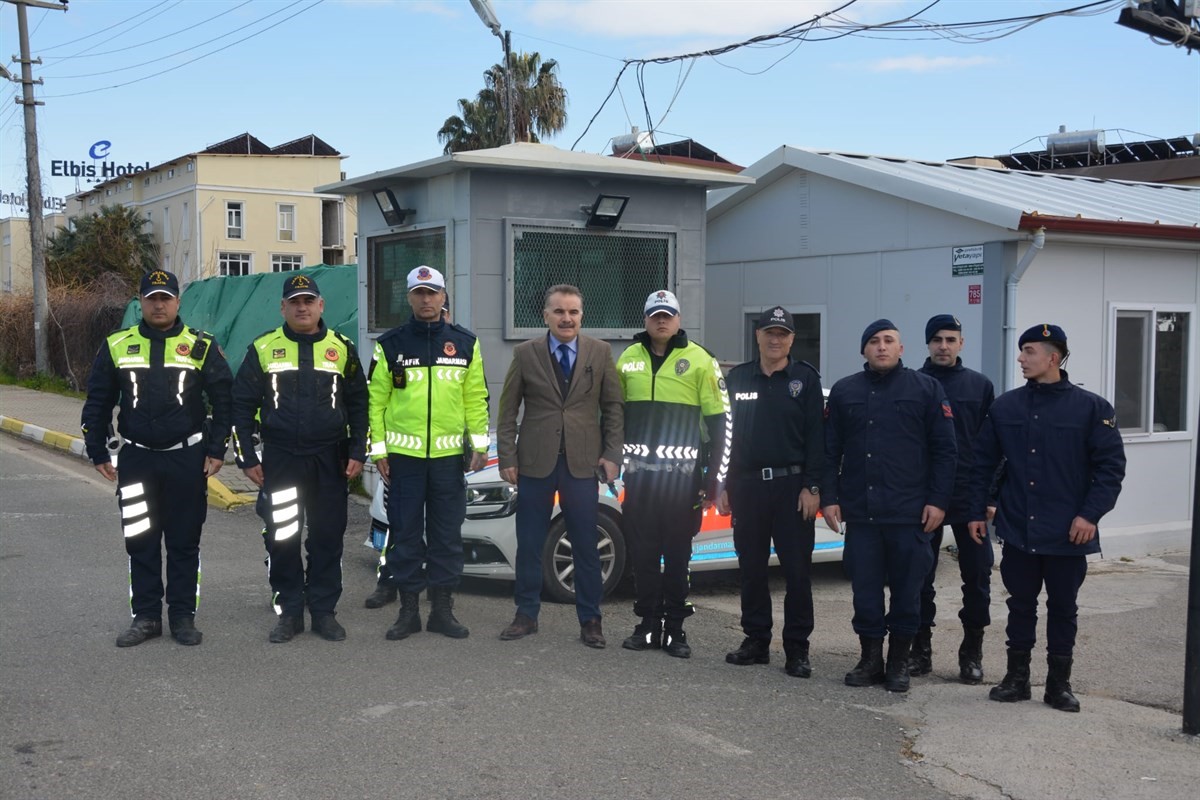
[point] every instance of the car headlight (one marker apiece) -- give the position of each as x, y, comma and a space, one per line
487, 500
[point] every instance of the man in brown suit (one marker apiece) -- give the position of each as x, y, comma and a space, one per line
570, 435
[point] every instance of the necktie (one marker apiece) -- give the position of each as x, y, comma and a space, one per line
564, 360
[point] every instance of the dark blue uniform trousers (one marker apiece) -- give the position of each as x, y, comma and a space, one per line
535, 502
898, 555
975, 563
300, 489
164, 499
1024, 574
426, 506
765, 512
661, 513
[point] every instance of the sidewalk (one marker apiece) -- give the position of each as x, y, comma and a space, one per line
52, 420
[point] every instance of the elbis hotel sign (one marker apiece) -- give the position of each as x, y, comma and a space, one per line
100, 168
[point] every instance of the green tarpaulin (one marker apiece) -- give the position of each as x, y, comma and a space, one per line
237, 309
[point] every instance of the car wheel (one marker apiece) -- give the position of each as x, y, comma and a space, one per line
558, 569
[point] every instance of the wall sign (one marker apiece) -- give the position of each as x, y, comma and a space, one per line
966, 260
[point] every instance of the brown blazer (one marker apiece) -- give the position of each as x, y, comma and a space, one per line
591, 414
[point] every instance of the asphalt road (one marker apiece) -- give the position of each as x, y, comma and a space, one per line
426, 718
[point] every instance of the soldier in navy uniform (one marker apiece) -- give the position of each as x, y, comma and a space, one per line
890, 459
161, 373
970, 394
1064, 462
773, 489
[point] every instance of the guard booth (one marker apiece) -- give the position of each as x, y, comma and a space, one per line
504, 224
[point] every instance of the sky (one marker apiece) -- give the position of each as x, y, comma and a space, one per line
377, 78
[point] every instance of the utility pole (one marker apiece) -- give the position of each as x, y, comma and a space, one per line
37, 236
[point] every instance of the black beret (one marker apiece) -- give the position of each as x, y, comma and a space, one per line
874, 328
1043, 333
941, 322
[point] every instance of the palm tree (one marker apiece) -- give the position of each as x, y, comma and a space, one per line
114, 241
539, 106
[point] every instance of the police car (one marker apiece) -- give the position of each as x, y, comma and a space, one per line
490, 536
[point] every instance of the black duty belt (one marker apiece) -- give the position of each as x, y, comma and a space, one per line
771, 473
195, 438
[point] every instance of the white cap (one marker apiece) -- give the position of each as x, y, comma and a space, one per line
425, 276
662, 301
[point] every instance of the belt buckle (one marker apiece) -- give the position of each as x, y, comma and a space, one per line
768, 474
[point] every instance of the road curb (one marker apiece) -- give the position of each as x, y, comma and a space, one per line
219, 495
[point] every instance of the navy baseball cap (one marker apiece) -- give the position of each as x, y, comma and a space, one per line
874, 328
159, 281
300, 284
777, 317
941, 322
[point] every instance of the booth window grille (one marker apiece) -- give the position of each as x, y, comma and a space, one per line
392, 257
615, 272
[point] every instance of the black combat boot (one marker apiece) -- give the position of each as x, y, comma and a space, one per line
1015, 685
920, 659
752, 651
328, 628
141, 629
796, 659
183, 630
869, 669
441, 614
647, 635
382, 595
674, 642
409, 619
1058, 684
970, 656
899, 650
286, 628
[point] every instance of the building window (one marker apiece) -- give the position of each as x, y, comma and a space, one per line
1151, 355
233, 220
167, 261
185, 225
392, 257
128, 184
170, 174
191, 166
234, 263
146, 181
287, 222
614, 271
166, 225
286, 263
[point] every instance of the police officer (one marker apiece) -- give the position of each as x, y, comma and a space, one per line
774, 489
307, 386
426, 387
157, 371
890, 456
673, 389
1064, 464
970, 395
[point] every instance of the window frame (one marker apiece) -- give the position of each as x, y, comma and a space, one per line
1115, 310
511, 224
241, 226
221, 264
279, 229
374, 242
274, 262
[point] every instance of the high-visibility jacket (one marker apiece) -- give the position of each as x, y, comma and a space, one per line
669, 411
158, 377
427, 388
309, 391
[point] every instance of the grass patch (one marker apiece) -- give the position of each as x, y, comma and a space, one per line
42, 383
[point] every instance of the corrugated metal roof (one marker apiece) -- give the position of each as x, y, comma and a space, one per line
527, 157
995, 196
